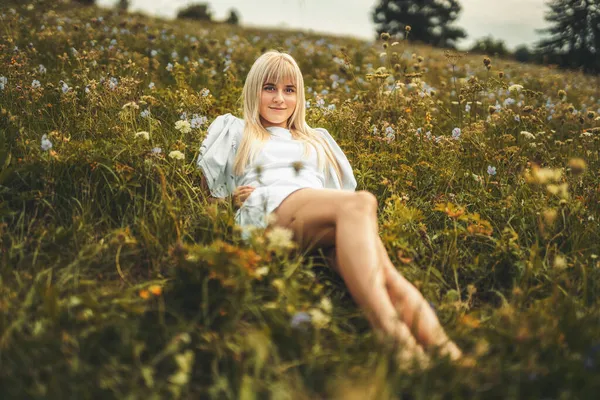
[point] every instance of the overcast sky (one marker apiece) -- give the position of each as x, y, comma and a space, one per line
513, 21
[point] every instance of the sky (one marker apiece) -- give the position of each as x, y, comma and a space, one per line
513, 21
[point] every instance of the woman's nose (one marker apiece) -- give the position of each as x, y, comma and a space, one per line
278, 96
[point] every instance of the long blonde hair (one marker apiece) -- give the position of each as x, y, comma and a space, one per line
274, 66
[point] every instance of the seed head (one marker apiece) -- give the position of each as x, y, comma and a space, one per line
527, 109
562, 94
486, 61
571, 108
489, 66
407, 28
591, 114
491, 109
385, 36
420, 59
385, 45
501, 74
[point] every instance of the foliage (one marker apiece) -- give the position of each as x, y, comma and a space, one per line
489, 46
120, 278
574, 34
430, 20
200, 11
233, 17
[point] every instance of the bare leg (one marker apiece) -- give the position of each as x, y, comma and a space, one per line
360, 266
409, 303
414, 310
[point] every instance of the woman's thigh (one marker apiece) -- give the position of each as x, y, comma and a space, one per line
311, 214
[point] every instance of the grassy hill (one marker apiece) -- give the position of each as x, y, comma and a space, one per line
120, 279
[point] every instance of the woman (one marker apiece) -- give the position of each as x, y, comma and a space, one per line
286, 174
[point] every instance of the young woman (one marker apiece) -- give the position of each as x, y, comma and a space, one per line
281, 172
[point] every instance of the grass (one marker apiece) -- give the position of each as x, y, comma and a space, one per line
121, 279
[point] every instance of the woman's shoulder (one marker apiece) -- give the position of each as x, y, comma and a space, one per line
227, 121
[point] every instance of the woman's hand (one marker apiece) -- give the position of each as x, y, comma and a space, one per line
240, 194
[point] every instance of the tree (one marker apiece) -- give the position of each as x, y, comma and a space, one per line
233, 18
123, 5
574, 34
198, 11
430, 20
489, 46
85, 2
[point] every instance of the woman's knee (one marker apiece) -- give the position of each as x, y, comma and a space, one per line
362, 202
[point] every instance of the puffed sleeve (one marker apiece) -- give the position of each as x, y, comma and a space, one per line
332, 181
217, 154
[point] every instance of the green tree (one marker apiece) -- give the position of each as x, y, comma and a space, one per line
489, 46
430, 20
574, 31
85, 2
233, 18
198, 11
123, 5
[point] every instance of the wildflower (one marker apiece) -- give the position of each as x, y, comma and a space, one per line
407, 28
528, 135
320, 103
198, 121
517, 118
549, 216
143, 135
46, 143
35, 84
65, 88
42, 69
577, 165
467, 108
491, 109
174, 55
131, 104
155, 290
562, 94
385, 36
456, 133
113, 83
153, 53
280, 238
144, 294
183, 126
319, 318
299, 319
151, 85
156, 150
169, 67
491, 170
331, 107
176, 155
145, 113
307, 103
560, 262
205, 92
515, 88
509, 101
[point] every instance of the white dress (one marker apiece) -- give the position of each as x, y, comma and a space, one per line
278, 177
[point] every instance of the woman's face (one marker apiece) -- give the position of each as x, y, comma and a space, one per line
277, 103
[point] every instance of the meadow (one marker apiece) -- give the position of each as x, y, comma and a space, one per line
121, 278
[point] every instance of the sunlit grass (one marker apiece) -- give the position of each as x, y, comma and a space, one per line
121, 278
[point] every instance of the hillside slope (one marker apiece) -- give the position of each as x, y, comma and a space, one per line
121, 279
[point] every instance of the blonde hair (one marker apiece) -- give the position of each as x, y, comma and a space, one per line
274, 66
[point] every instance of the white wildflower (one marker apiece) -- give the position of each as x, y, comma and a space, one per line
176, 155
183, 126
143, 135
516, 88
528, 135
318, 317
280, 238
46, 143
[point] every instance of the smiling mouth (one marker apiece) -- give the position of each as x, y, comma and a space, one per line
278, 109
